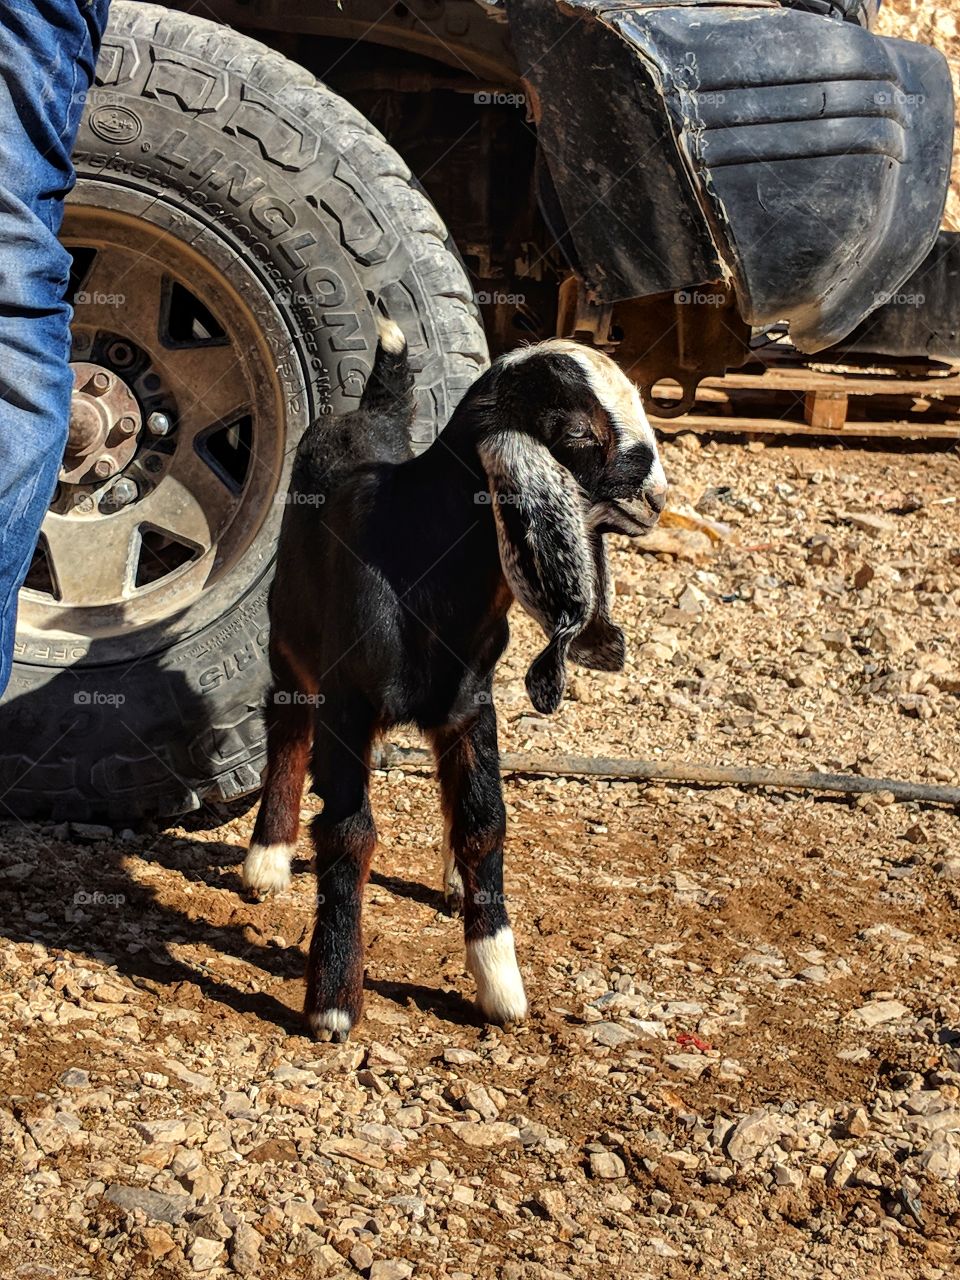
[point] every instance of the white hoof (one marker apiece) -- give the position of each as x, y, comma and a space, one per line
330, 1024
266, 868
493, 963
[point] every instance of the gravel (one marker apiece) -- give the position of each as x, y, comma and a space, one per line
743, 1054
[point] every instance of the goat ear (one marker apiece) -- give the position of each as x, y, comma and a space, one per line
601, 645
544, 550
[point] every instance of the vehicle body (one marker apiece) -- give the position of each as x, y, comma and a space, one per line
662, 180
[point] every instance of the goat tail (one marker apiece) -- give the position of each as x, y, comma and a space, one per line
390, 385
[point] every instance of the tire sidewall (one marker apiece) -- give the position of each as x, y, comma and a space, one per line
182, 719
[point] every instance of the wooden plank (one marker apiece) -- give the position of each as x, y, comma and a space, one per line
825, 410
770, 400
797, 378
800, 381
784, 426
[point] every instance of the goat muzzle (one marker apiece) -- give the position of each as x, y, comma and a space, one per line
634, 516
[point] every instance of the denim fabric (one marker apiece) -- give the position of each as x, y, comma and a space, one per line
48, 51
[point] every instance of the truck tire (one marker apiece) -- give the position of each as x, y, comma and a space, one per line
234, 228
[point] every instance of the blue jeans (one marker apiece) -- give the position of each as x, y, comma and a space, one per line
48, 52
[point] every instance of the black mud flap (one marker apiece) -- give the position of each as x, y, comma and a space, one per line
921, 319
801, 158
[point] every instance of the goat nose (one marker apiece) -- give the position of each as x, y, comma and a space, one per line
656, 497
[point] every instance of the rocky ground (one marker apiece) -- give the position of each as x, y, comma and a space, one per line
743, 1057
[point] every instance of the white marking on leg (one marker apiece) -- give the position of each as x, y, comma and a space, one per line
452, 880
266, 868
336, 1022
493, 963
390, 335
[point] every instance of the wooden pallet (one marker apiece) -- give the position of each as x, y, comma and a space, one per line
784, 398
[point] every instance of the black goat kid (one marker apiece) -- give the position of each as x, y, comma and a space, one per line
394, 578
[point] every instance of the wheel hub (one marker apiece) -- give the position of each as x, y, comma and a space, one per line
105, 421
176, 443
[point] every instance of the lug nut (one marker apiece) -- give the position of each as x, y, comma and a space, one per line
104, 467
101, 383
120, 353
124, 492
158, 424
126, 426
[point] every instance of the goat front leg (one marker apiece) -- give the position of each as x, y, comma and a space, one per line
468, 766
344, 837
266, 868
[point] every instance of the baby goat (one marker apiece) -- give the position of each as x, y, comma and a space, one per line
394, 577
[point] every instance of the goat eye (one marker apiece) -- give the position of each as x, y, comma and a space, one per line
579, 431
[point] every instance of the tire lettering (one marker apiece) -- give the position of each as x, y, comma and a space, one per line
351, 375
233, 665
272, 215
167, 150
233, 178
291, 247
45, 652
346, 331
246, 657
325, 286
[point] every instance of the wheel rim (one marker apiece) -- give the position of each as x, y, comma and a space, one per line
165, 487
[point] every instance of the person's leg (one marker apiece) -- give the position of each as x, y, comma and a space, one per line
48, 52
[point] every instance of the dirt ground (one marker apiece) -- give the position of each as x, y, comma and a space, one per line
743, 1055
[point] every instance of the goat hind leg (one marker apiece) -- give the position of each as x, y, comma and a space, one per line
344, 837
468, 766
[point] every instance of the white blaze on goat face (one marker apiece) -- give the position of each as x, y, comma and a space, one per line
616, 395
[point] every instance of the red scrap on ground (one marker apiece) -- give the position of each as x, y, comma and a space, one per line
690, 1037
